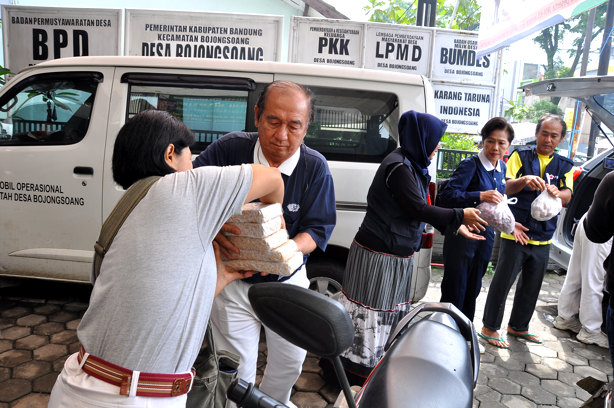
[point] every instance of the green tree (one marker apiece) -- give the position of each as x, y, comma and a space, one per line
460, 14
458, 141
578, 28
517, 111
540, 108
550, 38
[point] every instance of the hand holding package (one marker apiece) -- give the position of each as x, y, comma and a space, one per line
498, 216
545, 207
264, 246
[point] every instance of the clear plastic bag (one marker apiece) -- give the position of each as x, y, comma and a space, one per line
499, 216
545, 207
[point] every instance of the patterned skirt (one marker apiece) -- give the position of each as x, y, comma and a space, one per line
377, 289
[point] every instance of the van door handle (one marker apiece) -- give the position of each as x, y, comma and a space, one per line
86, 171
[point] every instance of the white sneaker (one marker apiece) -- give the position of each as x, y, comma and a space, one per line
482, 348
572, 324
597, 338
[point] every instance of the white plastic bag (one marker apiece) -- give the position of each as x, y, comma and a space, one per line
545, 207
499, 215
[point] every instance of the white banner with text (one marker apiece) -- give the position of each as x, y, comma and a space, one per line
183, 34
326, 42
35, 34
464, 108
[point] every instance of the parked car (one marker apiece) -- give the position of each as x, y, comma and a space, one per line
597, 94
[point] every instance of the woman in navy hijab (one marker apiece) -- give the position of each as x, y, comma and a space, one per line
378, 274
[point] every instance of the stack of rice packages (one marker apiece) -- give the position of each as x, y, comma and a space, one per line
264, 246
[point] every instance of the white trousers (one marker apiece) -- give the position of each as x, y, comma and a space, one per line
236, 328
76, 389
582, 291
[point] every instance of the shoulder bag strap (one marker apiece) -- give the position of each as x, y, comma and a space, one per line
117, 217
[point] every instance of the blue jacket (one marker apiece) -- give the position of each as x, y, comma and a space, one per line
468, 180
556, 169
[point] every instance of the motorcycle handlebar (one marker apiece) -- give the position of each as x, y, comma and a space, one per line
244, 394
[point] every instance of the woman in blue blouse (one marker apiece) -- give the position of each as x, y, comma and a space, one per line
478, 178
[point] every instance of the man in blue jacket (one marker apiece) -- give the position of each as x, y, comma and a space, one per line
282, 114
527, 249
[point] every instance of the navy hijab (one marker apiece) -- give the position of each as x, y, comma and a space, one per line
419, 134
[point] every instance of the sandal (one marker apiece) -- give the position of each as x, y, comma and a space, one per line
530, 337
491, 341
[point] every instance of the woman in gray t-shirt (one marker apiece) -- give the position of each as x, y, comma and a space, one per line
150, 305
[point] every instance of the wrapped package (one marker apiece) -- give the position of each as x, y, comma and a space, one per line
499, 216
258, 230
263, 245
545, 207
280, 254
277, 268
257, 213
259, 244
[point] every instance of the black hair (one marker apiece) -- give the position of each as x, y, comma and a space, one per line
497, 123
141, 143
551, 116
287, 85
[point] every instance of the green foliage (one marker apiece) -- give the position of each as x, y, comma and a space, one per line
465, 17
550, 38
578, 28
538, 109
3, 72
458, 141
392, 11
454, 141
517, 111
521, 112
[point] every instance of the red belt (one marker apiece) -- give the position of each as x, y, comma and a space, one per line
149, 384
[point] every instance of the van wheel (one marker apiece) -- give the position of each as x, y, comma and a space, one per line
325, 267
326, 286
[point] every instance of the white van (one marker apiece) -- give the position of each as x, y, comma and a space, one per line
59, 121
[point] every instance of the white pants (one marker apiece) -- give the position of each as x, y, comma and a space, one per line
582, 291
236, 328
76, 389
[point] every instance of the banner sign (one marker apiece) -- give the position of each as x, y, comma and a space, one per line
327, 42
36, 34
184, 34
464, 108
398, 48
455, 59
503, 22
464, 84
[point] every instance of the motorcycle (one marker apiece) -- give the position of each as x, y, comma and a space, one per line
433, 361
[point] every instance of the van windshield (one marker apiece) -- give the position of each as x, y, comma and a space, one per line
46, 110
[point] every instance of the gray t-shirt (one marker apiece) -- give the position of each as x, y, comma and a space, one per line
150, 305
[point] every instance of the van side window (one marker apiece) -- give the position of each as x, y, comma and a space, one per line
209, 113
353, 125
210, 106
48, 109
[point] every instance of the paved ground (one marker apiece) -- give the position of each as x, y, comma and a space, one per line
37, 333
